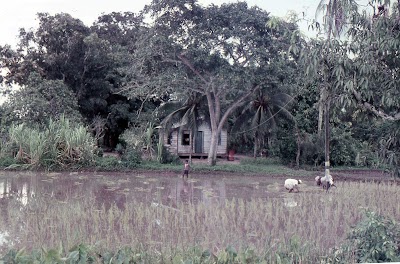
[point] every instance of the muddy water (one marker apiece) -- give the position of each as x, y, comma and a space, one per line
19, 189
120, 188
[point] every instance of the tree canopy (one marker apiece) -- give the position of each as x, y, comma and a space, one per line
213, 63
221, 52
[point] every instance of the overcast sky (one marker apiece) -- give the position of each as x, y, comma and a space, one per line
15, 14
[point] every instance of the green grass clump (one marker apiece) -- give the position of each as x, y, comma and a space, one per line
260, 161
82, 253
374, 239
6, 161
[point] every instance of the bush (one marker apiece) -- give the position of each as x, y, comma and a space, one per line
374, 239
131, 158
343, 147
260, 161
99, 152
366, 156
108, 163
6, 161
167, 157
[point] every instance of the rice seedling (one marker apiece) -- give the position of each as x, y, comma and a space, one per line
293, 228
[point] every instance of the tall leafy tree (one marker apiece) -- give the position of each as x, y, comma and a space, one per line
219, 50
371, 77
39, 101
336, 14
355, 67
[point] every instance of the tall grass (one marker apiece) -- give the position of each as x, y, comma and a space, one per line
303, 226
59, 144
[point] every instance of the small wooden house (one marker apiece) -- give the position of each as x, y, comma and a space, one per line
178, 142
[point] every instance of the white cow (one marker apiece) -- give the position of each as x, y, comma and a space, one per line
292, 184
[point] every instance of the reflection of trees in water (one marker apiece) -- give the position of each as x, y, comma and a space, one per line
222, 190
4, 188
213, 190
188, 191
191, 191
4, 202
107, 197
15, 192
108, 190
181, 190
20, 188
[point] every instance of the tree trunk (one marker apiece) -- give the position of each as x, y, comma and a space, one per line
160, 146
327, 136
398, 6
215, 113
255, 150
298, 141
321, 107
212, 154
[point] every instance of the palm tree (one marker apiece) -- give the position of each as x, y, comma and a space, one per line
260, 115
188, 112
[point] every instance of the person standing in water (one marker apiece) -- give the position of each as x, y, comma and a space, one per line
186, 167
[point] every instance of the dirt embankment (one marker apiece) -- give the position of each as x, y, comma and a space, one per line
338, 174
361, 175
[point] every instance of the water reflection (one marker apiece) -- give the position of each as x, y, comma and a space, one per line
16, 188
121, 188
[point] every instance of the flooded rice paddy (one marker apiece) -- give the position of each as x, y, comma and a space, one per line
121, 188
162, 211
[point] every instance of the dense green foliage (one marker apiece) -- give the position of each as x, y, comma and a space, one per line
374, 240
39, 101
88, 63
231, 66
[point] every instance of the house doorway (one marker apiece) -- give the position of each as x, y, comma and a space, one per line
198, 143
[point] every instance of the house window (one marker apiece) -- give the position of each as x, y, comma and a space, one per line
219, 139
186, 138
